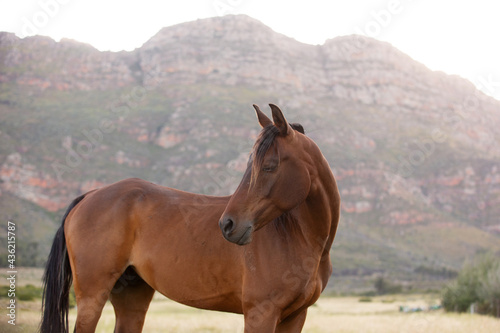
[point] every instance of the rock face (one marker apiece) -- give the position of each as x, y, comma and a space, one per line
235, 51
42, 63
23, 180
410, 147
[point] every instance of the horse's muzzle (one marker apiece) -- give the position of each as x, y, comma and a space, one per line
240, 235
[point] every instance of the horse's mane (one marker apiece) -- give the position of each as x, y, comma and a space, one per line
285, 224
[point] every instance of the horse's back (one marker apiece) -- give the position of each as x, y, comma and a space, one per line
106, 209
127, 202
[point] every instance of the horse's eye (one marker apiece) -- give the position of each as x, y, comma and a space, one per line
270, 168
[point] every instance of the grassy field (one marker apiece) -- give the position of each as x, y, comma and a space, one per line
330, 314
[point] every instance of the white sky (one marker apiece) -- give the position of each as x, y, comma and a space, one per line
457, 37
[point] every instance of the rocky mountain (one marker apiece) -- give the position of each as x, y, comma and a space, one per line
415, 152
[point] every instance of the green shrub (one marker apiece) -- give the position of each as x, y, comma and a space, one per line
383, 287
29, 293
72, 298
365, 299
477, 283
23, 293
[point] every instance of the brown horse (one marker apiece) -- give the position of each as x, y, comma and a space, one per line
126, 240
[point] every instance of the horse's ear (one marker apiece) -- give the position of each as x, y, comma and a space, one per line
263, 119
298, 127
280, 121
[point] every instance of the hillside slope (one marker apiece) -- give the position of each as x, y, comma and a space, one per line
415, 152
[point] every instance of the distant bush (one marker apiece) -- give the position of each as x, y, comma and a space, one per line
383, 287
23, 293
441, 272
29, 293
477, 283
72, 298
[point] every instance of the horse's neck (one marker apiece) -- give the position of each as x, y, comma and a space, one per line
321, 206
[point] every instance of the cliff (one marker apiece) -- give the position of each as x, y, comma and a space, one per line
415, 152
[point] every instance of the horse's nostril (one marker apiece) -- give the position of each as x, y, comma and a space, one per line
227, 226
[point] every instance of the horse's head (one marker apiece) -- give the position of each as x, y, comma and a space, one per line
277, 178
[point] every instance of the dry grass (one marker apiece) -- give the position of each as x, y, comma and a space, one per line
343, 314
24, 276
382, 315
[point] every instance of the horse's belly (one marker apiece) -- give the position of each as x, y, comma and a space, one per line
203, 300
197, 289
193, 274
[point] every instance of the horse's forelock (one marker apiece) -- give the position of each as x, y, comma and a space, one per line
265, 141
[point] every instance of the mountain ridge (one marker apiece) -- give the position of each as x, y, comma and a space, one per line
414, 151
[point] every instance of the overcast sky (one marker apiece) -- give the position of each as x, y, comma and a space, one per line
457, 37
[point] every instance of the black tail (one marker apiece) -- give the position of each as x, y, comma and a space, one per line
57, 282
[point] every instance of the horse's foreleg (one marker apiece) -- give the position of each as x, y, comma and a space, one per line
131, 297
264, 319
261, 318
292, 324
